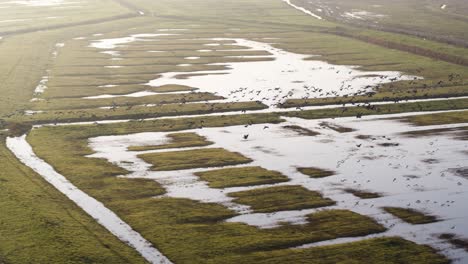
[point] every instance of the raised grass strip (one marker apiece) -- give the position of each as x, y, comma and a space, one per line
410, 215
125, 102
189, 159
243, 176
440, 105
281, 198
137, 112
315, 172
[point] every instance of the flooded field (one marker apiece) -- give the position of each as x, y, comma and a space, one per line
254, 131
402, 169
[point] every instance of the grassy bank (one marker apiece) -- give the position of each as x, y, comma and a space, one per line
40, 225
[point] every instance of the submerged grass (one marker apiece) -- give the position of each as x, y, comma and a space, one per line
281, 198
301, 130
243, 176
410, 215
438, 119
455, 240
337, 128
363, 194
189, 159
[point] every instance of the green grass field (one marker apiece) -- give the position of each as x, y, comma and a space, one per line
40, 225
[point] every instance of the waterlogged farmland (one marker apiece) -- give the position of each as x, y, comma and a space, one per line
247, 131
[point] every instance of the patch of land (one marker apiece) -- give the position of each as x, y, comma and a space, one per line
137, 112
460, 133
410, 215
125, 102
363, 194
281, 198
335, 127
315, 172
243, 176
361, 111
391, 250
177, 140
301, 130
189, 159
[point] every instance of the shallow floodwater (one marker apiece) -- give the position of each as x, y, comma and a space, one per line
272, 79
401, 173
23, 151
288, 75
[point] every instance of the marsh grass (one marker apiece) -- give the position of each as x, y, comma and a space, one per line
388, 250
315, 172
439, 105
138, 112
158, 99
177, 140
190, 159
437, 119
455, 240
363, 194
301, 130
382, 96
458, 132
281, 198
410, 215
242, 176
335, 127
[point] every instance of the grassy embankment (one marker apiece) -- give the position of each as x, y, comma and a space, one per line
40, 225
